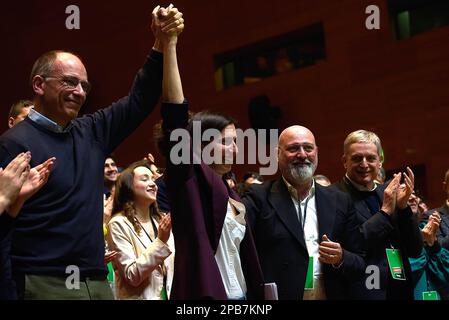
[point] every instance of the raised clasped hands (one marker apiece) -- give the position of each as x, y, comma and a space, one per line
167, 23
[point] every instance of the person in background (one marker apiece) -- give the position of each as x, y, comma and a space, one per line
141, 236
110, 176
18, 112
230, 179
430, 271
417, 205
443, 211
252, 177
322, 180
156, 171
248, 179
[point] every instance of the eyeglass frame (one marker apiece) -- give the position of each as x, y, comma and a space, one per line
68, 81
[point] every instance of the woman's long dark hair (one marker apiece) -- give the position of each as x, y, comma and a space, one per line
211, 120
208, 119
124, 196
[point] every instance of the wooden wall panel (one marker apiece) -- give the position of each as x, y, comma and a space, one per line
399, 89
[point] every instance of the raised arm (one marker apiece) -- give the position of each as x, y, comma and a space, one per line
168, 24
114, 124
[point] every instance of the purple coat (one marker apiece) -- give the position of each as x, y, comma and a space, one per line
198, 199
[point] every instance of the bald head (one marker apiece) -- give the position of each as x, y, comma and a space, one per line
290, 133
297, 155
45, 63
60, 85
67, 59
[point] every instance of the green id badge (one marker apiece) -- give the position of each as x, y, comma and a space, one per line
164, 294
430, 295
395, 263
110, 272
309, 276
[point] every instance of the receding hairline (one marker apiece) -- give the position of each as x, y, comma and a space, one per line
46, 62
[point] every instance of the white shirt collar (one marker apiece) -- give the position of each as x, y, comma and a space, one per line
294, 193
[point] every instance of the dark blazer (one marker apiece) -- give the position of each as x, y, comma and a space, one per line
280, 240
443, 231
198, 199
380, 232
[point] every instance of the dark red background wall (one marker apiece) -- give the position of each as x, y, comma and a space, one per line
399, 89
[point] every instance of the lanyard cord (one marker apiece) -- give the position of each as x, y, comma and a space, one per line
154, 228
303, 219
163, 267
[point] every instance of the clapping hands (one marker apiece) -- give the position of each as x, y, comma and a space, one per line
429, 232
397, 194
12, 179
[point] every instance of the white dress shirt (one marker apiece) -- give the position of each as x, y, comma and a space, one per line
228, 251
311, 233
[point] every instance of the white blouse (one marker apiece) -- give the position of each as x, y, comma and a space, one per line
228, 251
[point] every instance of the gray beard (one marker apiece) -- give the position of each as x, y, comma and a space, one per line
302, 174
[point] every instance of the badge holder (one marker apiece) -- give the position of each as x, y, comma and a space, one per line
309, 277
395, 263
430, 295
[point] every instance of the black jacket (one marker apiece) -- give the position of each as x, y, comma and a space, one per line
280, 240
380, 232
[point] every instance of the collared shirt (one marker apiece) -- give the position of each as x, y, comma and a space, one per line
43, 121
311, 233
360, 187
228, 251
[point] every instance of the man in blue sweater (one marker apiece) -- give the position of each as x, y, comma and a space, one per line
57, 245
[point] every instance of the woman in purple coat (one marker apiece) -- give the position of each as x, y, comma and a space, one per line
215, 253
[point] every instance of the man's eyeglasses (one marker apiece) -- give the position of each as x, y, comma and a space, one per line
295, 148
72, 82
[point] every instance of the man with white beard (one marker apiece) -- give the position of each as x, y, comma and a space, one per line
305, 234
